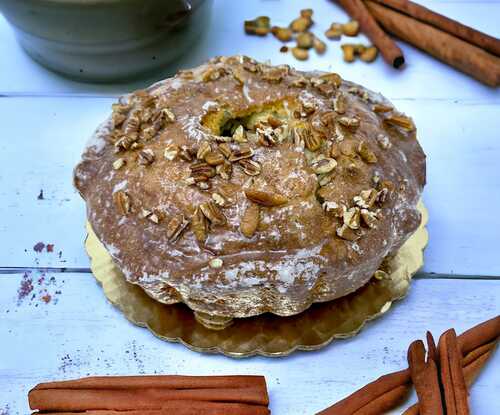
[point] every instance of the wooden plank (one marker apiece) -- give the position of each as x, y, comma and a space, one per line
423, 77
77, 333
43, 143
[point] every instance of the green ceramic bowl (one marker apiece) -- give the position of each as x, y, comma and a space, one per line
106, 40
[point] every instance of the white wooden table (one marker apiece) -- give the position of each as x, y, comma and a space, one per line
65, 328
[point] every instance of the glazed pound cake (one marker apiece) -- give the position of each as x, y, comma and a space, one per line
241, 188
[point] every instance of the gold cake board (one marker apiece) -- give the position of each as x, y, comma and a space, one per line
266, 334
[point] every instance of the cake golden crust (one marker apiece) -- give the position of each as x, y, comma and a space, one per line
241, 188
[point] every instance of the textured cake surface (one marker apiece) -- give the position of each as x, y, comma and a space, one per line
240, 188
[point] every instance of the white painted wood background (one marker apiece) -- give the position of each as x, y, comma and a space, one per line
44, 122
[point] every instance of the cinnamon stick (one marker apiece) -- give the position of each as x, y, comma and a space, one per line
481, 334
182, 408
472, 370
457, 29
128, 399
472, 365
166, 382
478, 352
391, 53
432, 352
469, 341
424, 376
368, 393
451, 50
452, 376
385, 402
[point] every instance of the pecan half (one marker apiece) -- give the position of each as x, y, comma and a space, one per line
213, 213
176, 227
250, 220
268, 199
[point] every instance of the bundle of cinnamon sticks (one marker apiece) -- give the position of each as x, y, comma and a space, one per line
466, 49
440, 379
153, 395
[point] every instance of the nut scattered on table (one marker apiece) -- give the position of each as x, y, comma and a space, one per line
297, 30
366, 53
259, 26
305, 40
334, 32
351, 28
284, 34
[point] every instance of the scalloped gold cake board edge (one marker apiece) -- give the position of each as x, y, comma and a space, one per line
267, 334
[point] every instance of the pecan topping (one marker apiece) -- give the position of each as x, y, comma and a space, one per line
176, 226
219, 199
351, 218
214, 158
337, 209
400, 121
203, 150
299, 82
250, 167
118, 163
201, 171
225, 149
383, 141
369, 218
118, 119
275, 74
216, 263
185, 154
381, 108
213, 213
366, 198
212, 74
125, 142
122, 202
243, 152
339, 105
199, 225
268, 199
146, 157
334, 150
224, 170
267, 136
323, 165
346, 233
366, 154
171, 152
311, 141
351, 123
239, 135
250, 220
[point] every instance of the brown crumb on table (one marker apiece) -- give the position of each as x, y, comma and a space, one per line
47, 292
46, 298
38, 247
50, 247
25, 288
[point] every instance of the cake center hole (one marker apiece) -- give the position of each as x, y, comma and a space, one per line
225, 122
